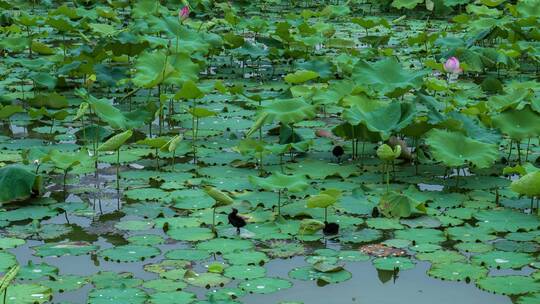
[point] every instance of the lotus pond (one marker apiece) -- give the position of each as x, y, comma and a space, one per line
269, 151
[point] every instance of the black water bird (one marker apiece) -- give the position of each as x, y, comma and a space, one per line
375, 212
330, 228
338, 151
236, 220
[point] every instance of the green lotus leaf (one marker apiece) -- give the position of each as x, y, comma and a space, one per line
28, 294
164, 285
110, 279
153, 69
112, 295
65, 283
528, 185
114, 143
386, 153
382, 118
309, 273
393, 263
18, 183
441, 256
129, 253
279, 181
324, 199
245, 272
362, 236
387, 77
221, 198
8, 243
146, 239
457, 271
191, 234
289, 111
64, 248
7, 261
205, 279
471, 234
518, 124
265, 285
529, 299
503, 259
422, 235
509, 284
398, 205
246, 258
408, 4
310, 226
36, 271
506, 220
10, 110
301, 76
172, 297
188, 254
225, 245
282, 249
455, 149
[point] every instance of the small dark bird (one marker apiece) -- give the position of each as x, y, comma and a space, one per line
330, 228
338, 151
375, 212
236, 220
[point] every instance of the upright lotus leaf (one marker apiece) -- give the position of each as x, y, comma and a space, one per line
278, 181
518, 124
399, 205
7, 111
383, 118
189, 90
115, 118
528, 185
257, 125
8, 278
455, 149
387, 154
408, 4
221, 198
66, 161
349, 132
201, 112
114, 143
387, 77
172, 144
18, 183
324, 199
301, 76
289, 111
152, 69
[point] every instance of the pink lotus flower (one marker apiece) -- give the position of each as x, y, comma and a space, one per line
183, 14
452, 66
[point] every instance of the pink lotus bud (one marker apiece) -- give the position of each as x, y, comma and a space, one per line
183, 14
452, 66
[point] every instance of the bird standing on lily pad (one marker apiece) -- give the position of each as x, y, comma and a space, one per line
236, 220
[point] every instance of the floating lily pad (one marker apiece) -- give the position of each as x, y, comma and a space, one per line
129, 253
503, 259
28, 294
392, 263
265, 285
245, 272
457, 271
509, 285
117, 295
